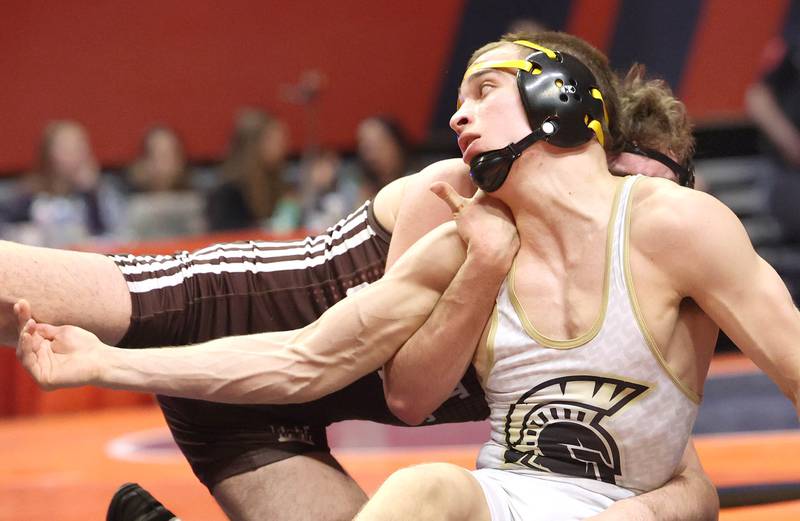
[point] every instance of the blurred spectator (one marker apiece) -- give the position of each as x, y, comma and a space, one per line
66, 200
382, 153
526, 26
161, 165
161, 205
773, 103
253, 176
331, 190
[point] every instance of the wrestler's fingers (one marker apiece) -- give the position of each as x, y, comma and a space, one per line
25, 350
448, 194
47, 331
36, 341
22, 310
23, 344
29, 326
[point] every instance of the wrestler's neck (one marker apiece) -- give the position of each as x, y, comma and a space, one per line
558, 195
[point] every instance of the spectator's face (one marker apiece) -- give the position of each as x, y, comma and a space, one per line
491, 115
377, 147
71, 156
165, 159
274, 144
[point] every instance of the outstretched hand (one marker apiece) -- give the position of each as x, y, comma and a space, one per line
56, 356
484, 223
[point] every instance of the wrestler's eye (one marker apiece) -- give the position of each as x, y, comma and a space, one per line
485, 88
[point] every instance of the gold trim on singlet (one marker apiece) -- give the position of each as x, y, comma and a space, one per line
637, 312
598, 323
484, 358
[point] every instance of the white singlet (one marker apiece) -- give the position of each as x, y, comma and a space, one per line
597, 418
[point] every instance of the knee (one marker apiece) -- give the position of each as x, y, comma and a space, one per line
427, 483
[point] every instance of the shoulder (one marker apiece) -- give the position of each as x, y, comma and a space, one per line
683, 230
451, 171
662, 206
415, 188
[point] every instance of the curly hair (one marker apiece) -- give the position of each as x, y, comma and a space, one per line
653, 117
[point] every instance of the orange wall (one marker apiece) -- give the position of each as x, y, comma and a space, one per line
122, 66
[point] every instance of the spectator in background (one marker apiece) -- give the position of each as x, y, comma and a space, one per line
773, 103
332, 187
161, 165
526, 25
66, 199
161, 204
253, 175
330, 190
382, 153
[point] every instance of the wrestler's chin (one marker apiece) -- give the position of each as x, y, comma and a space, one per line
470, 153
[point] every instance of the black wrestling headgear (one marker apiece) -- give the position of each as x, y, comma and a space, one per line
562, 102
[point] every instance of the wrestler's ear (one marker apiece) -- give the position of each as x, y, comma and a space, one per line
448, 194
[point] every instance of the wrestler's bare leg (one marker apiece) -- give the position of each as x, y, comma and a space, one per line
63, 287
430, 492
312, 486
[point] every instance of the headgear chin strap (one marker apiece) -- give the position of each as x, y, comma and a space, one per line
562, 102
490, 169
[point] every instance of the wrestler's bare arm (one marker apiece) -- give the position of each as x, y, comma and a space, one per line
354, 337
88, 290
446, 343
64, 287
714, 263
416, 210
688, 495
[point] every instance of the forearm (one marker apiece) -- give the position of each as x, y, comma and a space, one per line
688, 495
354, 337
684, 497
424, 372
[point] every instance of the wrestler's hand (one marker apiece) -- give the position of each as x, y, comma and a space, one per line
485, 224
56, 356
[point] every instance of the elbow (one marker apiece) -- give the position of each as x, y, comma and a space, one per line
711, 500
407, 409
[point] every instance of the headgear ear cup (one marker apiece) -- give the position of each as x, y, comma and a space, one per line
556, 88
562, 90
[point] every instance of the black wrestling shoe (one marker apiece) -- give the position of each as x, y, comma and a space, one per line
133, 503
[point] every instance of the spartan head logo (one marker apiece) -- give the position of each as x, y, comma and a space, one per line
555, 427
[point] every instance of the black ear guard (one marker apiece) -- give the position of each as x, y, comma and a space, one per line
563, 105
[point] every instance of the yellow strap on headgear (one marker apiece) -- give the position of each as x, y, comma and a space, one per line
597, 128
598, 95
530, 45
501, 64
